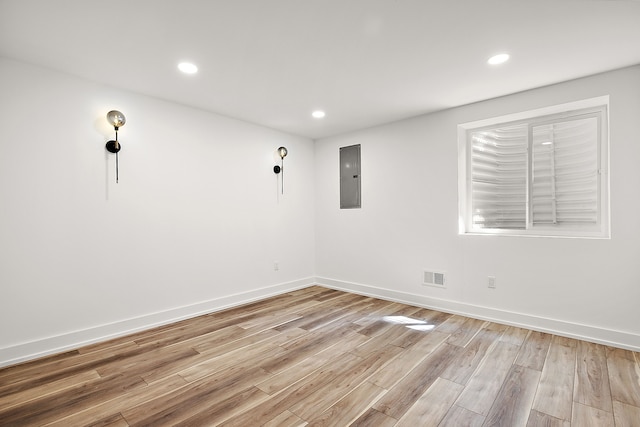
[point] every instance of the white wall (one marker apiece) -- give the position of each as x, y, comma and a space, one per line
195, 223
409, 223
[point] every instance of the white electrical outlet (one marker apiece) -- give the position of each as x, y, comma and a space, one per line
491, 282
276, 266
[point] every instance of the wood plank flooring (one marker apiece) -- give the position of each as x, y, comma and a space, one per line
321, 357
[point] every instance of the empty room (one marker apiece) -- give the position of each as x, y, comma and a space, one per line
320, 213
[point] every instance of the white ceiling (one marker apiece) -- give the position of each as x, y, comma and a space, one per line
365, 62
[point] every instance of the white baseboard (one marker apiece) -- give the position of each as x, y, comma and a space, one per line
563, 328
55, 344
72, 340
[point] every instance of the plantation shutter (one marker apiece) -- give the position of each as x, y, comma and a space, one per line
542, 172
565, 176
499, 177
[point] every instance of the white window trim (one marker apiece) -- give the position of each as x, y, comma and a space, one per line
464, 172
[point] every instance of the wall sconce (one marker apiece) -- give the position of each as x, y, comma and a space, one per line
282, 152
117, 119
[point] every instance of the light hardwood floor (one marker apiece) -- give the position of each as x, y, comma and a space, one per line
321, 357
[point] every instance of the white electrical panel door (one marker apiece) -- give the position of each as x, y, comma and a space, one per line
350, 177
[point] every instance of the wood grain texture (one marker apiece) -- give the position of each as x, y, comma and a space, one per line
539, 419
461, 369
465, 333
24, 396
433, 405
408, 390
533, 352
286, 419
513, 403
459, 416
350, 407
374, 418
408, 360
592, 377
555, 391
624, 376
514, 335
322, 357
322, 398
125, 401
588, 416
625, 415
483, 387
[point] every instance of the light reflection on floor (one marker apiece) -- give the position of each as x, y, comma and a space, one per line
416, 324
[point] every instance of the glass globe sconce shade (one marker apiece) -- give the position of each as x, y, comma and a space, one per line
116, 118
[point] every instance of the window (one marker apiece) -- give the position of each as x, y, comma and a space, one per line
542, 172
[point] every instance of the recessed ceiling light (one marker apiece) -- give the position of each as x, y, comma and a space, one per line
187, 68
318, 114
498, 59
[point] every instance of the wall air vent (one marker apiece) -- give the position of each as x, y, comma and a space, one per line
434, 278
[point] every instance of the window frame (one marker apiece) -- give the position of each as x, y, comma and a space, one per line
599, 107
